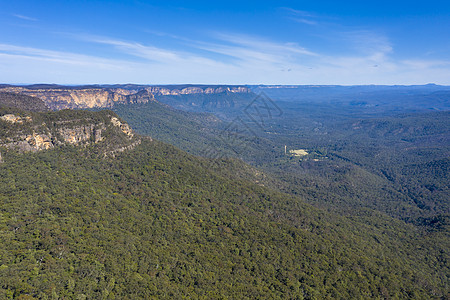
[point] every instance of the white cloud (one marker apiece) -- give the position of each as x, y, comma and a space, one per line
366, 41
420, 64
302, 16
151, 53
263, 45
55, 56
304, 21
254, 53
298, 12
24, 17
228, 59
31, 65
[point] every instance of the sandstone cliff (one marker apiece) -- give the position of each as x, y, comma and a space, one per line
187, 90
31, 132
59, 97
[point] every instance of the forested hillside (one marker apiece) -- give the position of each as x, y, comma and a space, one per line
157, 222
358, 209
23, 102
396, 164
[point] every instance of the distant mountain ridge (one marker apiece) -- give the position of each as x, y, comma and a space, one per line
105, 96
410, 97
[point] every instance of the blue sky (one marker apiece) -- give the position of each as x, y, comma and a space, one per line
225, 42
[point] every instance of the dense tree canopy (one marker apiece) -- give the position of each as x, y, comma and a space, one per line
158, 222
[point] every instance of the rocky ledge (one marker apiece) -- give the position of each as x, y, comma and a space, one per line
42, 131
187, 90
60, 97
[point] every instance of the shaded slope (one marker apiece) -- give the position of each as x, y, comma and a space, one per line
198, 133
23, 102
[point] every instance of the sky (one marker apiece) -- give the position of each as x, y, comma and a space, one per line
225, 42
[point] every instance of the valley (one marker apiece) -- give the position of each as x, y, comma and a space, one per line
186, 191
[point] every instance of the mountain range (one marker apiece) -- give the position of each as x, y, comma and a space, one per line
61, 97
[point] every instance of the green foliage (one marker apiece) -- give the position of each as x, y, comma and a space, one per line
60, 125
22, 102
197, 133
157, 222
393, 163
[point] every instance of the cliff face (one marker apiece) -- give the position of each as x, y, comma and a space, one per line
61, 98
57, 98
173, 91
41, 131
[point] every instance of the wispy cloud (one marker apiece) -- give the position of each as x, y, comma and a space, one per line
150, 52
425, 64
224, 52
297, 12
366, 41
263, 45
255, 57
301, 16
253, 52
304, 21
365, 49
222, 58
139, 50
55, 56
24, 17
32, 65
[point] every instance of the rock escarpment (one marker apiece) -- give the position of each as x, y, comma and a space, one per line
31, 132
60, 97
187, 90
125, 128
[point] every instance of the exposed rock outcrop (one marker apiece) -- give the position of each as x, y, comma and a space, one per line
79, 128
39, 141
56, 97
125, 128
175, 90
62, 98
44, 139
15, 119
116, 151
81, 134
